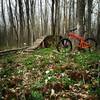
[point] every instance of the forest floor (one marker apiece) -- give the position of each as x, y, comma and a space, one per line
46, 74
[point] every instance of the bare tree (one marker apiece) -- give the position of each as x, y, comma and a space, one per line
11, 20
98, 25
80, 16
41, 11
21, 16
33, 5
57, 17
28, 21
89, 3
70, 7
46, 18
73, 10
52, 18
4, 22
65, 16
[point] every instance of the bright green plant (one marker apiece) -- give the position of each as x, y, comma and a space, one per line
84, 58
52, 80
38, 84
37, 95
7, 59
6, 72
66, 81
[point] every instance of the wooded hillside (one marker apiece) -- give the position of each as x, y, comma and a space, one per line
49, 49
23, 21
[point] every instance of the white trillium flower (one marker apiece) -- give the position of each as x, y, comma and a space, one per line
52, 92
62, 74
49, 78
47, 71
12, 90
33, 69
46, 81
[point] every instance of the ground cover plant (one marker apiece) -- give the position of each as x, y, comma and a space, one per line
46, 74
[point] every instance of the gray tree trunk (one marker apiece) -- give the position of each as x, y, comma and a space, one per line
4, 23
12, 25
33, 3
57, 17
21, 17
52, 18
70, 7
98, 25
80, 16
28, 22
41, 11
46, 18
89, 2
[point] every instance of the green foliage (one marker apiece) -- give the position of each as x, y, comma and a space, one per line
8, 59
45, 56
49, 69
37, 95
66, 81
38, 85
29, 62
6, 72
44, 51
39, 58
53, 80
84, 58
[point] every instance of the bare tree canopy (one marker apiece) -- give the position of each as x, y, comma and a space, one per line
23, 21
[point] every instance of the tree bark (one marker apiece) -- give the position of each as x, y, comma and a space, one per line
11, 19
4, 23
46, 18
28, 21
16, 21
69, 22
21, 17
33, 3
80, 16
89, 2
57, 17
52, 18
98, 25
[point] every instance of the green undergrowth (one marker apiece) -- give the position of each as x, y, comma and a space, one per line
46, 71
42, 57
86, 58
7, 59
45, 56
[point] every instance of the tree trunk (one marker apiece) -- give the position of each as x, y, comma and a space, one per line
33, 3
41, 11
80, 16
69, 22
4, 23
98, 25
52, 18
65, 15
57, 17
46, 18
16, 21
11, 19
21, 17
28, 21
73, 7
89, 2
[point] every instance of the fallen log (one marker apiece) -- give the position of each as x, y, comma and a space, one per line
11, 51
42, 42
